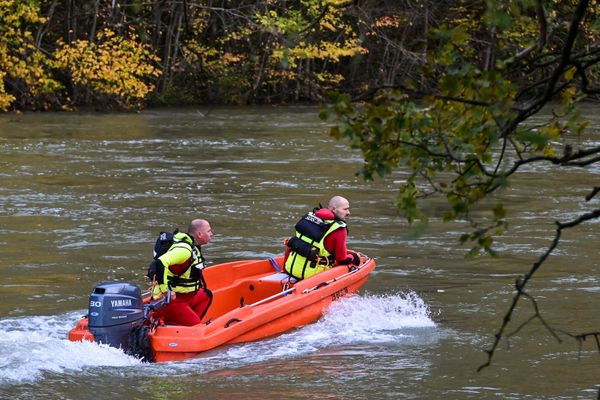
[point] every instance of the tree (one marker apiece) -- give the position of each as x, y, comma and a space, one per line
266, 52
114, 70
24, 76
492, 66
38, 70
305, 38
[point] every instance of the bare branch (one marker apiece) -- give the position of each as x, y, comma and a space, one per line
462, 100
521, 282
567, 49
537, 315
566, 160
593, 193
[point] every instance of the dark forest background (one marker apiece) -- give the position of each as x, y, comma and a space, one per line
128, 54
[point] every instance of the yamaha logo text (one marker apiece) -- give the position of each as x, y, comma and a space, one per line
121, 303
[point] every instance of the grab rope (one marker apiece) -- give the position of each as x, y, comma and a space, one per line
274, 264
265, 300
325, 283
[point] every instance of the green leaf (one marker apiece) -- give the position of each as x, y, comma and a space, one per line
416, 230
595, 26
335, 132
497, 17
536, 138
324, 114
499, 211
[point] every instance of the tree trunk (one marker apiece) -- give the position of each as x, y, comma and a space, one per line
171, 43
94, 21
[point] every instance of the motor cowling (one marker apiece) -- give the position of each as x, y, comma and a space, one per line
116, 310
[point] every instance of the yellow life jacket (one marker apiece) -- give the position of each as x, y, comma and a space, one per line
302, 266
183, 251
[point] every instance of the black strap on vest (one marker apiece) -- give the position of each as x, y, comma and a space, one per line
196, 279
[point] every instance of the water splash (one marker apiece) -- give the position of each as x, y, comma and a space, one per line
35, 345
31, 346
370, 319
355, 320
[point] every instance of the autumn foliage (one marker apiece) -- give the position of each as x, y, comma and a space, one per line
112, 69
127, 54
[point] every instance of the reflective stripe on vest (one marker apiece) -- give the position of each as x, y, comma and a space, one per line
300, 267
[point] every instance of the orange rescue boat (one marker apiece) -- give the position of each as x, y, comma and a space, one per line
252, 299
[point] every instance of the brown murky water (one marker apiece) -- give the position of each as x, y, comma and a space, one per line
83, 196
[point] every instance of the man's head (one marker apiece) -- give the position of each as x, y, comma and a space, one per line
340, 207
200, 231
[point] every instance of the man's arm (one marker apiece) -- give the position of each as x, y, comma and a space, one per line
177, 260
336, 241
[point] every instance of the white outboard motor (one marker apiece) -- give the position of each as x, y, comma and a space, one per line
116, 310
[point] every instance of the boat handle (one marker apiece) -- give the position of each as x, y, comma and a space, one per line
231, 321
320, 285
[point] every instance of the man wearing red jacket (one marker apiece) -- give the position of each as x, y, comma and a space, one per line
320, 241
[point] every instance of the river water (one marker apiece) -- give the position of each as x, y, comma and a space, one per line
83, 196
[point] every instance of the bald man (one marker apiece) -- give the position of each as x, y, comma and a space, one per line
324, 230
182, 267
340, 207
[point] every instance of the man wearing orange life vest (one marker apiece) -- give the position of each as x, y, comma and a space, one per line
320, 241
